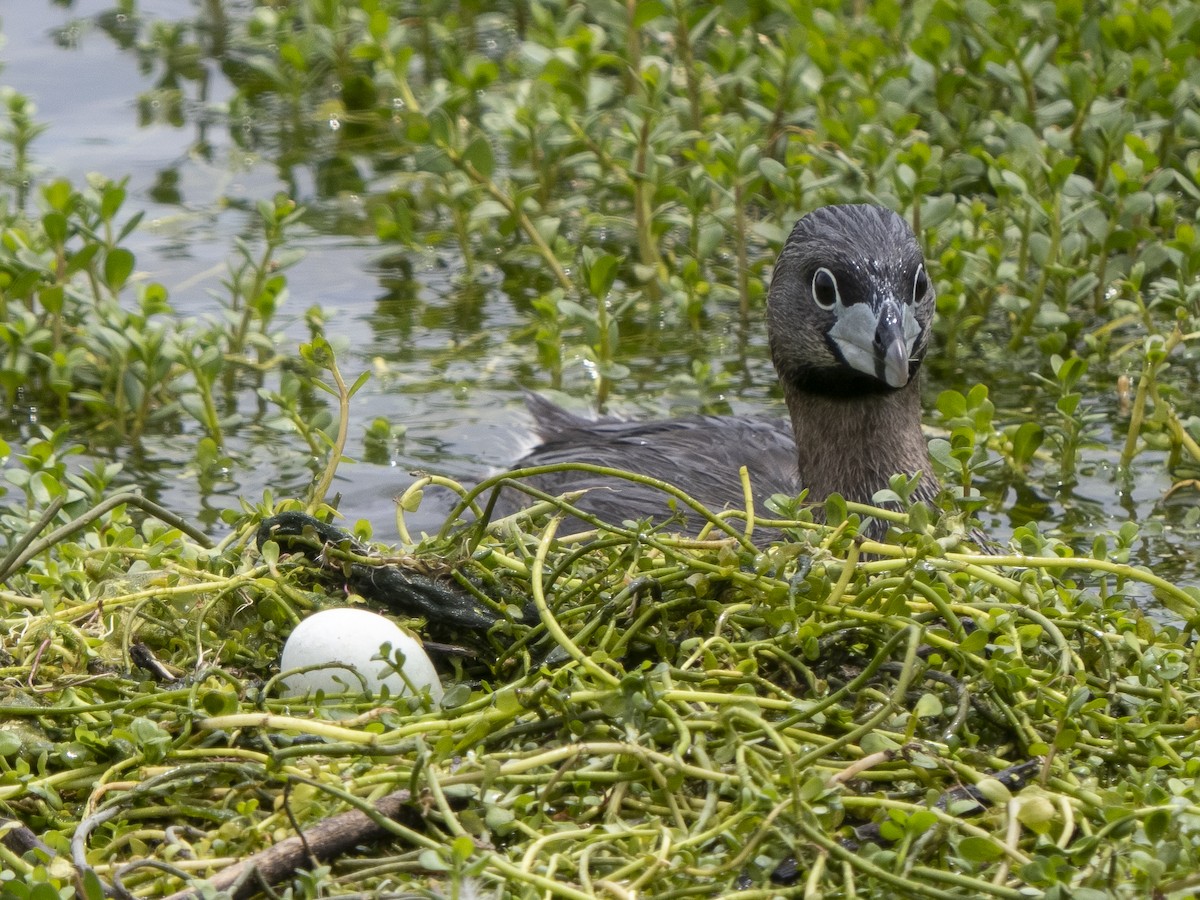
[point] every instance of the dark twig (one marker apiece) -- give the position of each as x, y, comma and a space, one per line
20, 839
79, 843
326, 840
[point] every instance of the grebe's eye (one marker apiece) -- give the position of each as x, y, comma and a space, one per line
825, 288
920, 284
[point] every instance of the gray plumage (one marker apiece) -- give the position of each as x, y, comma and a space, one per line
848, 317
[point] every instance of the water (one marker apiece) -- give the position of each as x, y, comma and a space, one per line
450, 353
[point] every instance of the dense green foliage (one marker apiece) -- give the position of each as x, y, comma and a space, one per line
712, 710
633, 176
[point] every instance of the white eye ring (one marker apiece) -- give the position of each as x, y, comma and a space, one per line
920, 284
825, 288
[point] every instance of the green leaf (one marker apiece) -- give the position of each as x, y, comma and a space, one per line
1068, 404
925, 761
154, 300
55, 226
1157, 825
920, 821
1077, 701
130, 225
835, 509
951, 404
601, 271
571, 311
221, 703
51, 298
488, 209
461, 848
774, 172
929, 706
547, 227
479, 155
111, 199
813, 787
432, 861
456, 695
432, 159
59, 195
1068, 371
1026, 441
979, 849
1036, 813
877, 743
93, 888
1066, 739
646, 10
9, 743
975, 642
994, 790
80, 259
941, 451
498, 818
44, 487
118, 266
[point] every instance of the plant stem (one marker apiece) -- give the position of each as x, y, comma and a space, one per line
523, 220
321, 488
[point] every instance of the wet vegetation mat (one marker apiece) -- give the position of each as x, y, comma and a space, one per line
775, 708
648, 716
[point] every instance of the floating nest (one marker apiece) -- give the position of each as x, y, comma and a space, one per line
628, 714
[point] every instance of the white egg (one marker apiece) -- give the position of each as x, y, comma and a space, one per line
347, 643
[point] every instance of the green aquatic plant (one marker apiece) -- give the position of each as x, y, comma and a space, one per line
85, 340
256, 284
930, 721
19, 131
728, 716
